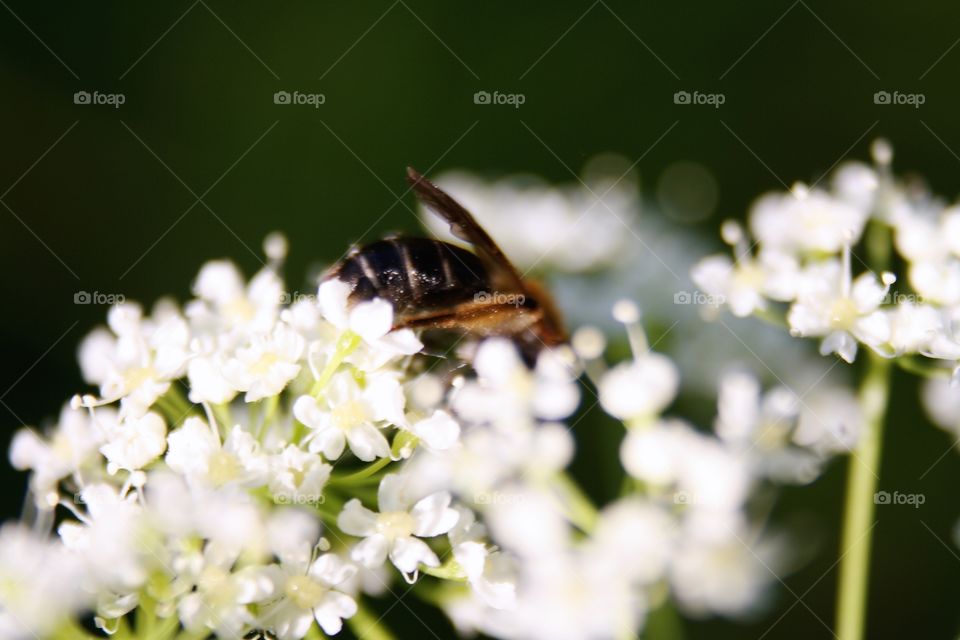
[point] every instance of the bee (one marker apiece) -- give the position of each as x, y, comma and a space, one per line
435, 285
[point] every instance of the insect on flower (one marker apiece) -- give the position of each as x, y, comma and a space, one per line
437, 285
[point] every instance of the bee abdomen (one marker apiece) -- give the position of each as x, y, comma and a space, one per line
413, 273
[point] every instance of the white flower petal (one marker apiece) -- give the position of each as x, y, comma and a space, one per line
408, 553
370, 552
433, 515
357, 520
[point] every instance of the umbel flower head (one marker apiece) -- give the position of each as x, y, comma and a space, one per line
799, 267
246, 464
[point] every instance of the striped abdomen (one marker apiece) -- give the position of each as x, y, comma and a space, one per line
414, 274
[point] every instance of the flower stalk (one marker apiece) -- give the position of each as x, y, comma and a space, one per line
365, 625
858, 521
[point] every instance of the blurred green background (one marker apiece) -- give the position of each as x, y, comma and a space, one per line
104, 199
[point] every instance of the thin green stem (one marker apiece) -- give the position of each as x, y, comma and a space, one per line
266, 415
772, 317
579, 508
146, 617
224, 418
360, 476
367, 625
72, 630
921, 368
346, 345
663, 623
167, 628
858, 519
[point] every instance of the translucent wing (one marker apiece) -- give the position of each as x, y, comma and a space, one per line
463, 226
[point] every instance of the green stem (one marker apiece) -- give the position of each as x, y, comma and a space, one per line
361, 475
146, 617
72, 630
367, 625
858, 519
346, 345
269, 408
167, 628
921, 368
771, 317
579, 508
224, 419
663, 623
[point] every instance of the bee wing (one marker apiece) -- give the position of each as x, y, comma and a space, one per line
465, 227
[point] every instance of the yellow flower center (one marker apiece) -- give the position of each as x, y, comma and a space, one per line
843, 313
348, 415
222, 467
395, 524
217, 587
239, 309
135, 377
748, 275
305, 592
262, 366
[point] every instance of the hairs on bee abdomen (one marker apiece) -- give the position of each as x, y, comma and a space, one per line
413, 274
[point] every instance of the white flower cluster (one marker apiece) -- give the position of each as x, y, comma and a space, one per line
681, 527
571, 228
249, 465
800, 255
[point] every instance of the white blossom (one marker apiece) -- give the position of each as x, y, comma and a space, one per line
265, 365
395, 530
350, 414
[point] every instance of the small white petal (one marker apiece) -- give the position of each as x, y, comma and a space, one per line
370, 552
409, 553
357, 520
433, 515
